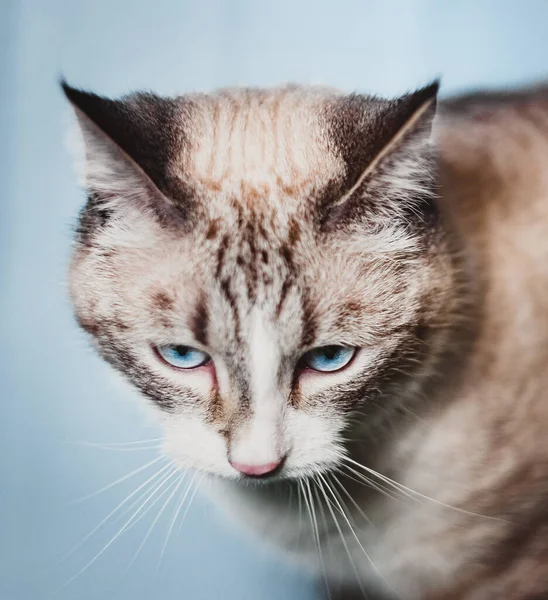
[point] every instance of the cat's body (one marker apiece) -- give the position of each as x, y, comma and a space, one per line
303, 219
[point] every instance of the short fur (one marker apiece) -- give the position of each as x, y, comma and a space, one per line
258, 224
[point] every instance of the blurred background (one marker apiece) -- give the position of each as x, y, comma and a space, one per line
67, 430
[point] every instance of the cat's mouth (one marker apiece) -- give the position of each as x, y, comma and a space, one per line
282, 474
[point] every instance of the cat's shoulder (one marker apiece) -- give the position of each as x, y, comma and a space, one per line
493, 149
498, 130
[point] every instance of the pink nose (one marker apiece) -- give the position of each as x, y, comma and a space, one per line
256, 470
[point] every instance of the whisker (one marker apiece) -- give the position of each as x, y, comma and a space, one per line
129, 523
111, 485
393, 485
115, 510
349, 496
156, 490
196, 487
358, 539
299, 508
108, 445
124, 448
178, 507
312, 512
140, 497
343, 539
152, 494
290, 501
327, 499
176, 485
321, 509
362, 479
413, 493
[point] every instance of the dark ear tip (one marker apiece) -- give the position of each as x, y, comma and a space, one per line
430, 91
76, 97
424, 96
67, 89
71, 93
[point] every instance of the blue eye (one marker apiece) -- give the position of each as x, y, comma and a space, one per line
183, 357
328, 358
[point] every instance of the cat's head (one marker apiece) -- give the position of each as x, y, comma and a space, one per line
265, 265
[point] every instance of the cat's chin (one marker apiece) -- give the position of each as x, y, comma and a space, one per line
291, 477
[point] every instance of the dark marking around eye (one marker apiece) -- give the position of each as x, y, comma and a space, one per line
309, 326
166, 396
215, 409
200, 321
389, 372
295, 396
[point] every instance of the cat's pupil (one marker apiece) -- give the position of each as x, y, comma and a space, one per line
331, 352
181, 351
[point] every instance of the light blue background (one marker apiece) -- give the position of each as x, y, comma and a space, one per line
53, 390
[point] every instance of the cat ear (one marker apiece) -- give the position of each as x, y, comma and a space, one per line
386, 149
128, 146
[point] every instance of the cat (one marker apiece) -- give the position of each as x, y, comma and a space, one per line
338, 304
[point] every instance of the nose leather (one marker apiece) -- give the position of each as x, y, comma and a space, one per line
256, 470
